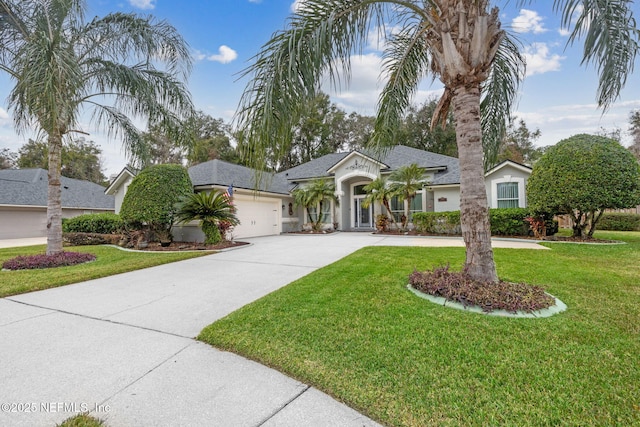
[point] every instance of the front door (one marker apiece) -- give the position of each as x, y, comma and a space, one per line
363, 216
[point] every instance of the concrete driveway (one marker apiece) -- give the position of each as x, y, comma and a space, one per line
122, 347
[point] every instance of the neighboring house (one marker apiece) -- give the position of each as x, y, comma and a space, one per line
23, 201
271, 210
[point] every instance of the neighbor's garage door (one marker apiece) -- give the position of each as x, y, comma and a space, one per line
258, 216
16, 223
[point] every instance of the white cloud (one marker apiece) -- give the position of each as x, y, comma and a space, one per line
539, 60
3, 114
528, 22
297, 5
558, 122
143, 4
224, 56
198, 55
563, 32
361, 92
255, 1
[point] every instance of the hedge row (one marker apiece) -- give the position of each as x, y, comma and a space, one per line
81, 239
504, 222
619, 222
103, 223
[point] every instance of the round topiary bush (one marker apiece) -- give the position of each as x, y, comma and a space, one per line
582, 176
152, 198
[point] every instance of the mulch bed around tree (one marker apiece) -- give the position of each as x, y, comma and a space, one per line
192, 246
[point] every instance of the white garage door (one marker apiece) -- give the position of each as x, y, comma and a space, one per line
258, 216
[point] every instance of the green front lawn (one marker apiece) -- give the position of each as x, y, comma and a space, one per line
109, 261
353, 330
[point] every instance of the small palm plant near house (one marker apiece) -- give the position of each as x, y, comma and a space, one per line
405, 183
315, 196
378, 191
211, 209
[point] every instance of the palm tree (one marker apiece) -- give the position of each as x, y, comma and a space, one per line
314, 196
459, 42
120, 67
379, 192
405, 183
210, 209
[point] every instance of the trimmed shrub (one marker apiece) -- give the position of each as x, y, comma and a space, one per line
437, 222
83, 239
103, 223
619, 222
61, 259
509, 222
152, 198
504, 222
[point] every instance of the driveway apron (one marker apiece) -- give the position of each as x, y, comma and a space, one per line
122, 347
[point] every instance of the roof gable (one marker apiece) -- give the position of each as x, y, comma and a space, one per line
126, 173
516, 165
355, 154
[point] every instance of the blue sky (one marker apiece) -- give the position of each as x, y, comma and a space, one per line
557, 96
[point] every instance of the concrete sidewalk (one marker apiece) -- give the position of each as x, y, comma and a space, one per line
122, 347
27, 241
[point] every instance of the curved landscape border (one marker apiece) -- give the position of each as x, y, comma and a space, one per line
559, 307
212, 251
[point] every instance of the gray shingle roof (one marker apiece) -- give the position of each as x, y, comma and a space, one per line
218, 172
28, 187
395, 158
316, 168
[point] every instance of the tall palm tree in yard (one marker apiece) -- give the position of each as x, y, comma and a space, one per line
120, 67
314, 196
459, 42
405, 183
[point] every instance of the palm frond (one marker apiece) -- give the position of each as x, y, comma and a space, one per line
212, 207
119, 125
500, 92
287, 71
406, 62
120, 36
610, 40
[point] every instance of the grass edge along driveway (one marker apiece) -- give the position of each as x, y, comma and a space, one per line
352, 330
109, 261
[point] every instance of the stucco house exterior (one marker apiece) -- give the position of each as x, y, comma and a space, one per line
271, 209
23, 201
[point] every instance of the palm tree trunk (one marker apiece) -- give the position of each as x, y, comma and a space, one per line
393, 218
474, 209
54, 203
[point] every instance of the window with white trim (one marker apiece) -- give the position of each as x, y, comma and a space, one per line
397, 206
326, 212
508, 194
